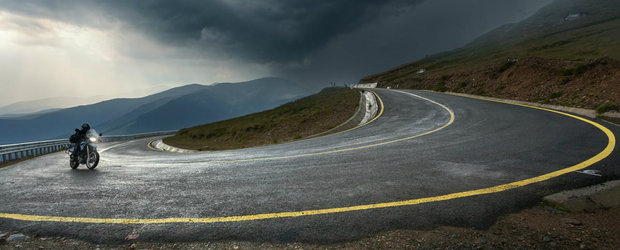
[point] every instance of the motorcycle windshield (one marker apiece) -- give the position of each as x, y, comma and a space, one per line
92, 133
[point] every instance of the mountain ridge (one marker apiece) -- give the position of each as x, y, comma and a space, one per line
117, 116
572, 61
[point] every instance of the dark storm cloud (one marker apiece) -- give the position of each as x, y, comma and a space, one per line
258, 31
417, 31
312, 41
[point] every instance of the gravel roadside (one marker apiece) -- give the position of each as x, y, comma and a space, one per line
539, 227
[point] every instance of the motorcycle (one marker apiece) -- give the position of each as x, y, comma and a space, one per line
87, 153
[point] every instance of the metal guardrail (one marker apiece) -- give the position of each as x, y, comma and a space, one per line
12, 152
365, 85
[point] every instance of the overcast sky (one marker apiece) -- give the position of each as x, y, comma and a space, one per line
51, 48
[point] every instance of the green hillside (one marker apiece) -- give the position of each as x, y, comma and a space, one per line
545, 34
292, 121
569, 42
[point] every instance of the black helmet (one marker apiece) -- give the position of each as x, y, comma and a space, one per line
85, 126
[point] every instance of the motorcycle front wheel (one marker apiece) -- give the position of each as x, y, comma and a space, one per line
73, 163
93, 161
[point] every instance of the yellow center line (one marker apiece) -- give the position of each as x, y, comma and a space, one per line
495, 189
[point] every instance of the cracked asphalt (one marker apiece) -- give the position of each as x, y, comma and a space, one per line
488, 144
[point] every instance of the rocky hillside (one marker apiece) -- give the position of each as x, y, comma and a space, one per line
566, 54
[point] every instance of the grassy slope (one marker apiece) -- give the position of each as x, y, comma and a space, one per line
544, 35
563, 51
291, 121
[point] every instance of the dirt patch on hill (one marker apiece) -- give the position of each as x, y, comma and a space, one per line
592, 83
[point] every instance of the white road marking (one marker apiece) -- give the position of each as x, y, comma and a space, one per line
122, 143
590, 172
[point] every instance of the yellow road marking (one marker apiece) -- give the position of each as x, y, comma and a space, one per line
495, 189
153, 148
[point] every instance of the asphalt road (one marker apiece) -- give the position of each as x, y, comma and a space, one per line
315, 190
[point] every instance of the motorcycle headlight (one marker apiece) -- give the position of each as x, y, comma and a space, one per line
93, 139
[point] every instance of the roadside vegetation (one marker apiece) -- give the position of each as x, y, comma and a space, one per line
542, 59
292, 121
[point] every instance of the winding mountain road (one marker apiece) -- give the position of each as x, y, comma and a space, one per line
428, 160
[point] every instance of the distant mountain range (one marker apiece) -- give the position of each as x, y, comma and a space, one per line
176, 108
45, 105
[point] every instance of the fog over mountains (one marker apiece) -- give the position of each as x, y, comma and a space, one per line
173, 109
45, 105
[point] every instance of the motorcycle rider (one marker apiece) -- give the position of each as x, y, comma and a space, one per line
80, 135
